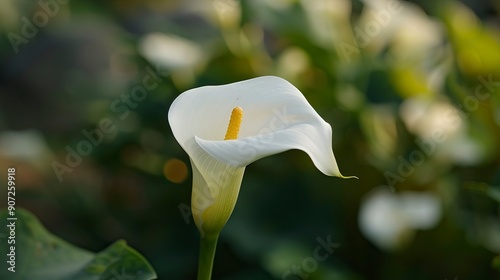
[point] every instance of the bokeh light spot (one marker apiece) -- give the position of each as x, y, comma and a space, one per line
175, 170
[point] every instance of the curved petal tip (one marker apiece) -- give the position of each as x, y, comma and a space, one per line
348, 177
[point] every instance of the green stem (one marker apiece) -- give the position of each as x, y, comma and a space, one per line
207, 254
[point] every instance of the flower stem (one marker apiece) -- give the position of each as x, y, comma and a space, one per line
207, 254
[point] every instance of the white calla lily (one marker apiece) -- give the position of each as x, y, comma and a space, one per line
267, 115
276, 118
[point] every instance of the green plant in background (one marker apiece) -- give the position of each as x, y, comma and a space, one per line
410, 87
40, 255
277, 117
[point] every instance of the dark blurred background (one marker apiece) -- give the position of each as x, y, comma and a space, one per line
411, 89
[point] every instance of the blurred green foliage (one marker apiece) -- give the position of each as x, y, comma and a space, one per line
394, 79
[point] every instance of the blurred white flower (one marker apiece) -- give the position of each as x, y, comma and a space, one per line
409, 40
442, 125
424, 117
405, 26
170, 51
28, 146
180, 57
329, 20
390, 219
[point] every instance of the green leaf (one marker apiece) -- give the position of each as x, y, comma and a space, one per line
496, 262
42, 256
491, 191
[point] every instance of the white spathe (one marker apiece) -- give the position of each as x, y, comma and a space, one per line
276, 118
